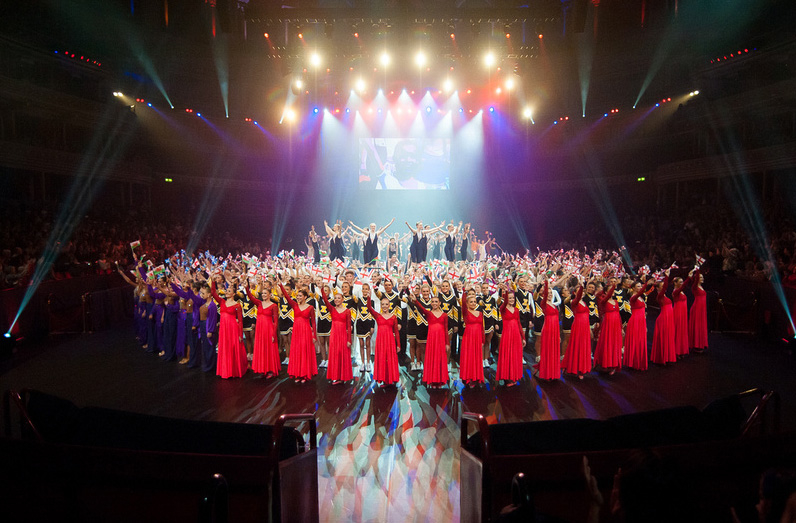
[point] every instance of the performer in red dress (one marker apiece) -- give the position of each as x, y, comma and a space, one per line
663, 349
303, 364
680, 306
435, 364
698, 317
266, 349
232, 361
577, 359
471, 366
339, 365
550, 356
512, 340
385, 359
608, 353
636, 332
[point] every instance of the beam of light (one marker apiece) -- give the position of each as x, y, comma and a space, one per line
137, 49
601, 196
662, 52
585, 61
334, 144
211, 198
746, 205
107, 146
221, 59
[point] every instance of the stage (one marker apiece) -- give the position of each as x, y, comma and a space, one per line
387, 454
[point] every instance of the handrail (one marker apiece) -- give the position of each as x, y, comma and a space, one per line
483, 428
760, 414
214, 507
24, 417
290, 418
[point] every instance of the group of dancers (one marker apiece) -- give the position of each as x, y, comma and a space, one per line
570, 312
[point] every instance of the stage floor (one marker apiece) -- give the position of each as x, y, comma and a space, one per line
387, 454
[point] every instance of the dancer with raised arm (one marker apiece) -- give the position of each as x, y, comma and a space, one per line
266, 348
636, 354
370, 239
577, 358
385, 359
698, 315
435, 363
608, 353
232, 361
680, 309
512, 340
303, 365
471, 366
336, 246
550, 355
339, 366
663, 348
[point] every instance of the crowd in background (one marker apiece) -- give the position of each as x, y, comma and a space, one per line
101, 239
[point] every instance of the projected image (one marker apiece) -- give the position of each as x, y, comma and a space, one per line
404, 163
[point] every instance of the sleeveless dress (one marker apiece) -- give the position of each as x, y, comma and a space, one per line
339, 368
663, 348
303, 363
509, 364
266, 349
232, 361
698, 318
435, 364
680, 307
385, 360
471, 352
550, 348
608, 353
636, 335
577, 359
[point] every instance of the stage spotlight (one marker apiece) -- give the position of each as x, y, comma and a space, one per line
315, 59
498, 90
315, 110
541, 36
461, 109
509, 84
384, 59
428, 110
118, 93
301, 36
299, 83
266, 35
453, 36
420, 59
491, 109
289, 114
489, 59
149, 104
447, 85
360, 85
527, 113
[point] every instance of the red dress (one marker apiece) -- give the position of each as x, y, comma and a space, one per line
303, 363
550, 357
680, 306
608, 353
232, 361
663, 349
266, 350
577, 359
509, 365
385, 359
471, 364
636, 334
698, 319
339, 368
435, 364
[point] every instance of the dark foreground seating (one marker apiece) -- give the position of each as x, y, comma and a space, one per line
62, 462
720, 448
